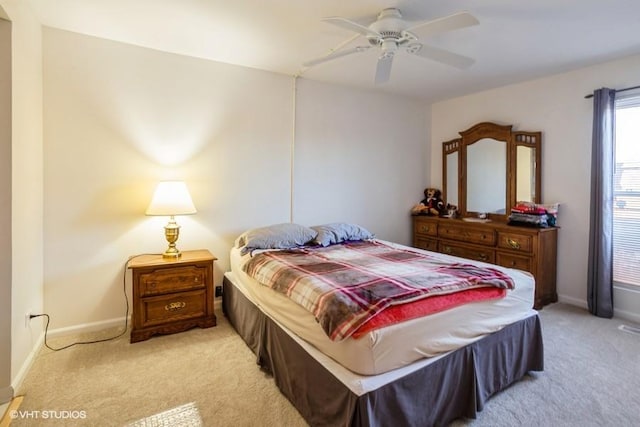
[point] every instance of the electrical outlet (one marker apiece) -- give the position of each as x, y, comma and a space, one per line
218, 291
27, 318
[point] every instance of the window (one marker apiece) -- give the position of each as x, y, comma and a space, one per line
626, 190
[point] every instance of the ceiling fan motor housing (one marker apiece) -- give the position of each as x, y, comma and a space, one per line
389, 25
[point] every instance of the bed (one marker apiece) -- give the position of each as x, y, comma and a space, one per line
425, 371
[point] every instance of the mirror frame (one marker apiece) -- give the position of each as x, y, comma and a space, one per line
512, 140
450, 147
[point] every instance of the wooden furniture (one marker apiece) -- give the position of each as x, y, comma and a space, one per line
172, 295
490, 168
524, 248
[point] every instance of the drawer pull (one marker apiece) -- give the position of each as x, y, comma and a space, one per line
151, 284
174, 306
425, 228
513, 243
483, 257
447, 249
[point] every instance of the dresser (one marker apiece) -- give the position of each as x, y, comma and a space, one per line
525, 248
171, 295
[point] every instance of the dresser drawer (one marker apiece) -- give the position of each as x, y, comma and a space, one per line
515, 241
428, 228
514, 261
476, 253
172, 307
426, 244
174, 279
467, 234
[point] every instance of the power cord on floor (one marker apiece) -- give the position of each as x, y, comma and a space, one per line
126, 316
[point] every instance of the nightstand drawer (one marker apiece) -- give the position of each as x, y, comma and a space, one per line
182, 306
165, 280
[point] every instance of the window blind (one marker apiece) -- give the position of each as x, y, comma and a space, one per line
626, 191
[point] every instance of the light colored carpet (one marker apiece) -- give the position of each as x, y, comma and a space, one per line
117, 383
591, 378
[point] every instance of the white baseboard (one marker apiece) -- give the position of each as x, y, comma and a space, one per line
573, 301
16, 383
626, 315
70, 330
86, 327
104, 324
620, 310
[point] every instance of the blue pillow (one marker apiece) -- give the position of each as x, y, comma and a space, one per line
278, 236
337, 232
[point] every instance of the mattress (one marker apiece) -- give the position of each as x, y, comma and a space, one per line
399, 345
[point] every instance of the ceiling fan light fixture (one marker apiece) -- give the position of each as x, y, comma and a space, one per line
388, 46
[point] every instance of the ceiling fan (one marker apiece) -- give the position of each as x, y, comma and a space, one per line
389, 33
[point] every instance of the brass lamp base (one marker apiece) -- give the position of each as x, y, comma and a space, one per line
171, 233
172, 254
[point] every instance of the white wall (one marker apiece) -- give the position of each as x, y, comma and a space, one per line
556, 106
5, 208
119, 118
359, 157
26, 182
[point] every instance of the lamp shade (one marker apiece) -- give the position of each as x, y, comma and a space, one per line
171, 198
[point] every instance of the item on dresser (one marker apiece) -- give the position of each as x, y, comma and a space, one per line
474, 219
432, 204
171, 295
526, 248
404, 367
452, 211
533, 215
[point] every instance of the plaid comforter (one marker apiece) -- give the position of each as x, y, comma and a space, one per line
345, 285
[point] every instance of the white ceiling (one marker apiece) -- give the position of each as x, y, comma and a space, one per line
515, 41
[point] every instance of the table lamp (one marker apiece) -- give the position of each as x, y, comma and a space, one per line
171, 198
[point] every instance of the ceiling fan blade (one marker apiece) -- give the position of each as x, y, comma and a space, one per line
440, 55
351, 26
336, 54
446, 23
383, 69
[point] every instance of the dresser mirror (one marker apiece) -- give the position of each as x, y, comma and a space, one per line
489, 168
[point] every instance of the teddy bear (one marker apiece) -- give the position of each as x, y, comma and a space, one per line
432, 204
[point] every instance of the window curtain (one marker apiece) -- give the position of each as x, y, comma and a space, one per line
600, 279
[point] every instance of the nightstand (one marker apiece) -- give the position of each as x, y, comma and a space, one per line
171, 295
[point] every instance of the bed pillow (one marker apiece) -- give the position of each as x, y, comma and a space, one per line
278, 236
337, 232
